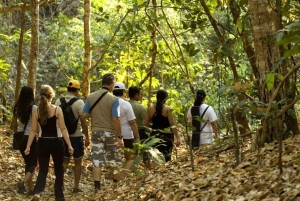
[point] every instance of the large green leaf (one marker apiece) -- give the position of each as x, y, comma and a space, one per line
157, 156
152, 142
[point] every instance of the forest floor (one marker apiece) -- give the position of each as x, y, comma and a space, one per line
216, 176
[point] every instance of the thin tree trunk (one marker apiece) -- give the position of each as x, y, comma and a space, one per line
34, 46
87, 50
246, 39
9, 16
20, 54
154, 52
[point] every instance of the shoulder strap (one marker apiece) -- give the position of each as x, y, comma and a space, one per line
204, 112
62, 101
97, 101
73, 100
202, 116
25, 126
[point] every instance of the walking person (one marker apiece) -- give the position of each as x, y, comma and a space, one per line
75, 133
135, 95
129, 128
163, 124
103, 108
50, 143
22, 113
203, 133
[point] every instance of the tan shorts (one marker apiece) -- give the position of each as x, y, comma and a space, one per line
104, 146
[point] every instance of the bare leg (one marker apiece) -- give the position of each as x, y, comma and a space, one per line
77, 172
28, 180
66, 163
129, 156
97, 173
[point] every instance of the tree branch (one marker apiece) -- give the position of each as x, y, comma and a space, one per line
264, 125
110, 41
20, 6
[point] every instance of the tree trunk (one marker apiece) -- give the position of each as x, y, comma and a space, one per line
264, 20
85, 85
154, 50
34, 46
20, 53
241, 119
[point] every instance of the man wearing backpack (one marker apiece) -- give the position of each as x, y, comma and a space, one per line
72, 109
104, 110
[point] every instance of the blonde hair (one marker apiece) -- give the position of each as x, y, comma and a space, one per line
46, 95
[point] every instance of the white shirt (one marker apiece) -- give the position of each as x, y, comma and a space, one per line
206, 136
126, 114
28, 126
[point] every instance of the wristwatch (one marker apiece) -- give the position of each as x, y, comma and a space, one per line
120, 137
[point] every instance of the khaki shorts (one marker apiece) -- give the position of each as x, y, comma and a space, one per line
104, 146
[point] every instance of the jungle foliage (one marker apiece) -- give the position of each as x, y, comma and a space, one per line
200, 44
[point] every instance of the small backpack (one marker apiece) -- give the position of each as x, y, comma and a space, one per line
69, 117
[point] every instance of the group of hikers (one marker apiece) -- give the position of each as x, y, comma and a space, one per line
115, 123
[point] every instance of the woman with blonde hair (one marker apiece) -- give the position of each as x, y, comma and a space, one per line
51, 122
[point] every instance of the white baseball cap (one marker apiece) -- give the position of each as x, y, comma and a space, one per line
119, 85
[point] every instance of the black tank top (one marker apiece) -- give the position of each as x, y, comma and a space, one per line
160, 122
49, 129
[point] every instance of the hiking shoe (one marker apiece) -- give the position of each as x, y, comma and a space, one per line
59, 199
21, 187
97, 190
30, 193
36, 197
76, 190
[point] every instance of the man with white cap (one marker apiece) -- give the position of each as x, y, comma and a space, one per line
76, 137
129, 127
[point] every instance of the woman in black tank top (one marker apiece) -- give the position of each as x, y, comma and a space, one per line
50, 142
163, 125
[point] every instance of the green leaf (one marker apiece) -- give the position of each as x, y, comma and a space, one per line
194, 52
221, 90
197, 118
298, 161
293, 51
242, 103
270, 80
157, 156
239, 24
246, 111
139, 2
152, 142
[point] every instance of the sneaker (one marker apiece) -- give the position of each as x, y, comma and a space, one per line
30, 193
36, 197
76, 190
21, 187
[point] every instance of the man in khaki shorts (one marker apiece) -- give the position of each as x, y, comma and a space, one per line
103, 108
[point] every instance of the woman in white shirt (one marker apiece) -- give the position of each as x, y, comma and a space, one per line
22, 114
203, 132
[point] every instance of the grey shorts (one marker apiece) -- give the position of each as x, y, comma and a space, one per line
104, 146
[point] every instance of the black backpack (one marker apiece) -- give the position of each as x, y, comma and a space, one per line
69, 117
197, 127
